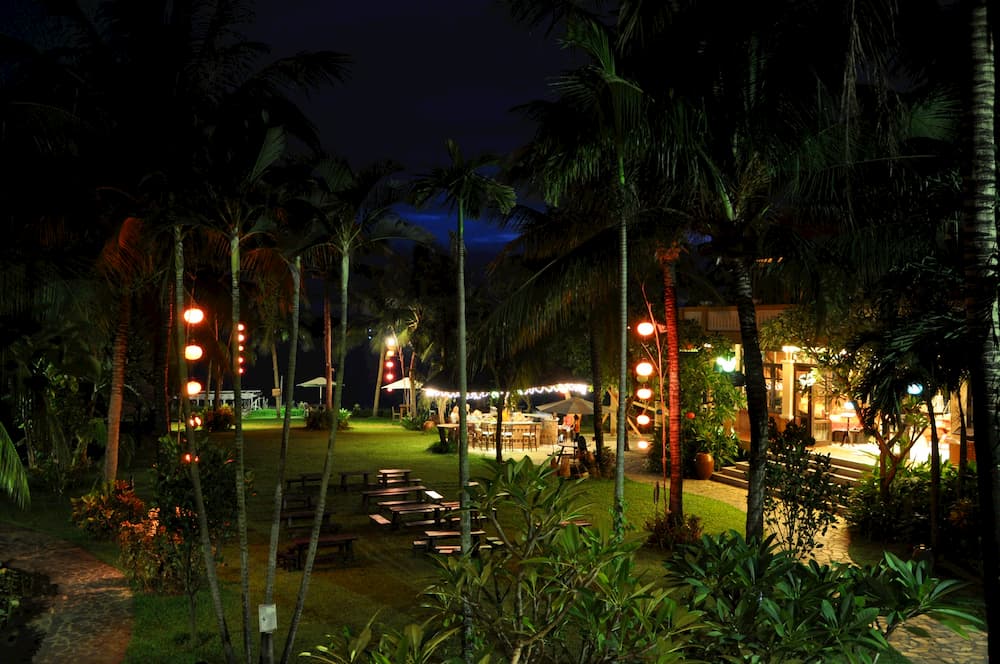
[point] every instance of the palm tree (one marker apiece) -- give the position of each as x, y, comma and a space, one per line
980, 241
465, 189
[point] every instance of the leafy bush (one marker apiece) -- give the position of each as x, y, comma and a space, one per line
443, 446
415, 422
802, 496
152, 559
321, 419
667, 534
601, 463
219, 419
904, 514
760, 604
102, 512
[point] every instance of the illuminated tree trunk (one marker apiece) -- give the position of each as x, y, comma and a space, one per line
667, 259
118, 360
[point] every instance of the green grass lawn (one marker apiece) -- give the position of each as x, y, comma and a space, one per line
386, 577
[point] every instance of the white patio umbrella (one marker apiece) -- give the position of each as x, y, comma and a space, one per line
318, 381
571, 405
401, 384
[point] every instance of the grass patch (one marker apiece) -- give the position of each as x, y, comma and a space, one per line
386, 577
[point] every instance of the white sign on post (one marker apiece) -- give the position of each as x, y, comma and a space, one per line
268, 616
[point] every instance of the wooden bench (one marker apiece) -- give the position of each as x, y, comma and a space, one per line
345, 474
389, 492
340, 545
379, 519
304, 480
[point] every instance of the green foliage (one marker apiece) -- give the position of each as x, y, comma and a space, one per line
415, 644
802, 496
102, 512
602, 463
902, 514
218, 419
415, 422
153, 559
321, 419
667, 534
761, 604
13, 478
553, 591
443, 446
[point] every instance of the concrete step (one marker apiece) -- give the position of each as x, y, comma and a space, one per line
844, 471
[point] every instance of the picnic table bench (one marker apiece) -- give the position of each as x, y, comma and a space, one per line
392, 491
345, 474
432, 541
299, 520
328, 547
387, 476
304, 480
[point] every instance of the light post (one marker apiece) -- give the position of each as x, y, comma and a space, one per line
193, 316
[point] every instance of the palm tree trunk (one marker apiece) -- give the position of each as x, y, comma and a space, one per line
463, 429
756, 400
185, 413
619, 506
118, 360
667, 259
980, 248
379, 371
277, 379
328, 351
338, 393
241, 498
266, 638
595, 377
935, 497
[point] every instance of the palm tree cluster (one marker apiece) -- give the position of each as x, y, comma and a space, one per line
782, 150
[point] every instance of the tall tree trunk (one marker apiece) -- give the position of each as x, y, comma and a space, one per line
184, 411
935, 493
667, 259
980, 250
463, 429
241, 497
328, 350
379, 372
119, 358
266, 638
620, 434
338, 393
277, 377
596, 378
756, 399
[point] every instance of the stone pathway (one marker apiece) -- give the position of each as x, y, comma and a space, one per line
89, 618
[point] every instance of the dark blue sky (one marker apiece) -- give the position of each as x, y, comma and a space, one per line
424, 71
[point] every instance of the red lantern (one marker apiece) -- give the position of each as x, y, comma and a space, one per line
690, 415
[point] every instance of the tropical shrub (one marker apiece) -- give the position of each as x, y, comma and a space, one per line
802, 497
151, 558
761, 604
321, 419
102, 512
218, 419
903, 514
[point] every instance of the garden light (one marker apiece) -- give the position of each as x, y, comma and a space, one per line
644, 393
642, 419
644, 369
193, 316
645, 328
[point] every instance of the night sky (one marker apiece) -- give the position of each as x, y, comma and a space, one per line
423, 72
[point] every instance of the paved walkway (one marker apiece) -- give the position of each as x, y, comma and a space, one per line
89, 618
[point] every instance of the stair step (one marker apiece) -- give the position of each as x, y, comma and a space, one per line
843, 471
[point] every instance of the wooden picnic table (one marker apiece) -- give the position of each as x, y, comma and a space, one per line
432, 513
341, 544
415, 489
433, 538
390, 475
345, 474
304, 480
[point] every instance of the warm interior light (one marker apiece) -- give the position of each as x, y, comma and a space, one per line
644, 393
643, 444
193, 316
195, 421
642, 419
193, 352
193, 388
645, 328
644, 369
727, 364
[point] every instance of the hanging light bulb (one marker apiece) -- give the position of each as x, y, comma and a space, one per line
193, 388
644, 393
193, 316
645, 328
642, 419
644, 369
643, 444
193, 352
